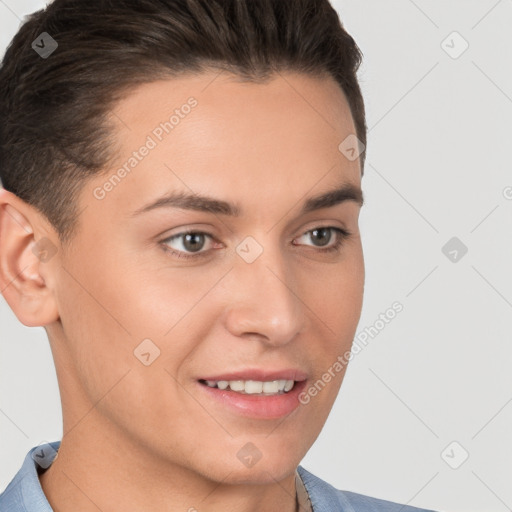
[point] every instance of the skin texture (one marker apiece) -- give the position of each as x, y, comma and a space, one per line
145, 438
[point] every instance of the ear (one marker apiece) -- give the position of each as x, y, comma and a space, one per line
28, 261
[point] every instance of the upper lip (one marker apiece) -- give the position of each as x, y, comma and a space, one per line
261, 375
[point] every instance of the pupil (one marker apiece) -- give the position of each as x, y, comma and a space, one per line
191, 241
324, 240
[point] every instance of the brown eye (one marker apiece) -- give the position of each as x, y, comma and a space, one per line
323, 235
193, 241
187, 243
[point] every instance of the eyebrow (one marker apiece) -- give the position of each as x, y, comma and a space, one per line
201, 203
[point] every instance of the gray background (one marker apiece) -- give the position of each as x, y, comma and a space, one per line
438, 167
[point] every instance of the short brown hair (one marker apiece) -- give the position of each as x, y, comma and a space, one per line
53, 111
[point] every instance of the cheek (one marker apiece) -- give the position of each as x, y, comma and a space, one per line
103, 321
157, 293
100, 352
141, 322
99, 348
335, 294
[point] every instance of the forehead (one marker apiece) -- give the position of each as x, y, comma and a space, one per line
226, 108
223, 89
212, 133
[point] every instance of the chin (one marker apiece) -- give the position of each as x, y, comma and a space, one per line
259, 467
259, 474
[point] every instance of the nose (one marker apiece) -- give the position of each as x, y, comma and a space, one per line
264, 301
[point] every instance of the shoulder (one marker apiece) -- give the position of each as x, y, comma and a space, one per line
326, 498
24, 492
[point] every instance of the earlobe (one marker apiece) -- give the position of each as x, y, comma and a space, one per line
26, 261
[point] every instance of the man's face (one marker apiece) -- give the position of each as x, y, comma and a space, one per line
141, 326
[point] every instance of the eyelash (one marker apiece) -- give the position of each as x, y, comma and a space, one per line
343, 235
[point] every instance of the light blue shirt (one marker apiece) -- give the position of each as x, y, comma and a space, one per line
24, 492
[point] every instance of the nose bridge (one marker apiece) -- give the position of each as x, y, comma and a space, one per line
264, 297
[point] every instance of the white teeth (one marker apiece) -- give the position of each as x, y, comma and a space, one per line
271, 387
254, 387
236, 385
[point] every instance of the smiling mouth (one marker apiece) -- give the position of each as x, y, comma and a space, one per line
252, 387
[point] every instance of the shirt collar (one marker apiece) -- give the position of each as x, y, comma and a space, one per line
24, 492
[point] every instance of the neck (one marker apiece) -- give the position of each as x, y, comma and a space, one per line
106, 472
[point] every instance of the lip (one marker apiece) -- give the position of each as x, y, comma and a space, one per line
261, 375
252, 405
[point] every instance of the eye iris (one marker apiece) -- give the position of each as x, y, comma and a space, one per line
190, 242
325, 236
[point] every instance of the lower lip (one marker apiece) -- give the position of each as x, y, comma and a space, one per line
257, 406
